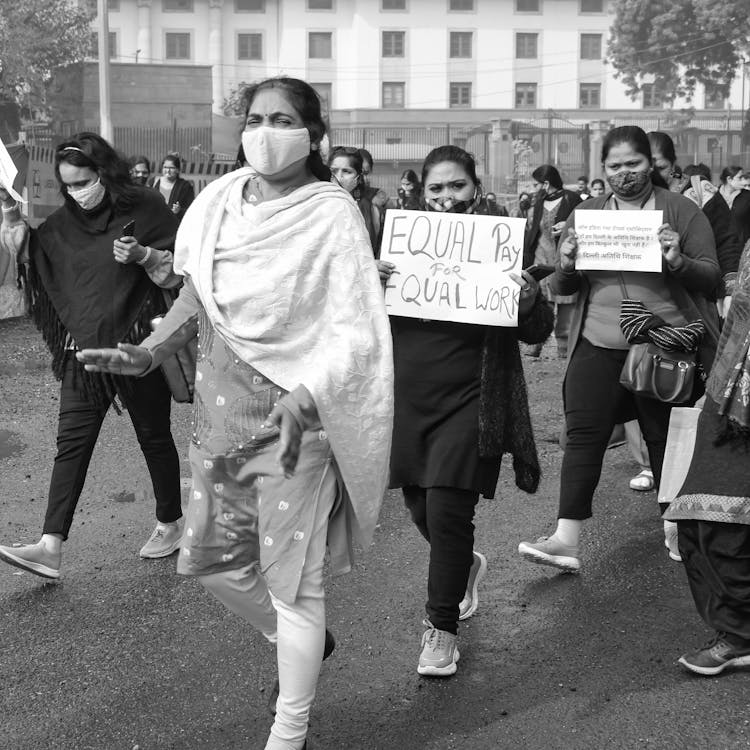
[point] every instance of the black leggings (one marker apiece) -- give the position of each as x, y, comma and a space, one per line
77, 432
594, 403
444, 517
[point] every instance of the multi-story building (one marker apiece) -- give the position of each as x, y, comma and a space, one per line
419, 63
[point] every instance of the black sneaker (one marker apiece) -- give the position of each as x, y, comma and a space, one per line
715, 656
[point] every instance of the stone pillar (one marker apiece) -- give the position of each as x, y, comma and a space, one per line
599, 128
145, 52
215, 48
501, 151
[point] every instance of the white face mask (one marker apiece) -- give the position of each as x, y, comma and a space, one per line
271, 150
90, 196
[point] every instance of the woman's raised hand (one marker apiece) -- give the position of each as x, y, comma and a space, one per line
385, 269
670, 246
569, 251
127, 359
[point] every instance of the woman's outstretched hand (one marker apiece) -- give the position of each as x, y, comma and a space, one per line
290, 438
127, 359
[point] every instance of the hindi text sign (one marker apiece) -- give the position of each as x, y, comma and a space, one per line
453, 266
618, 241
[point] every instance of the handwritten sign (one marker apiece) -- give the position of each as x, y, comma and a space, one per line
453, 266
8, 172
618, 241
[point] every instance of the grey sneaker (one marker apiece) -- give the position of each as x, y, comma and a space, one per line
715, 657
164, 541
548, 551
34, 558
470, 602
439, 652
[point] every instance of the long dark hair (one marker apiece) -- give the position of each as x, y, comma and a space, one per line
664, 144
306, 102
548, 173
729, 172
637, 139
457, 156
91, 150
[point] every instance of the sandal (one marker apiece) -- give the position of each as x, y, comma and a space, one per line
643, 482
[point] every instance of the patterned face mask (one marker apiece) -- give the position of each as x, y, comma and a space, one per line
451, 205
88, 197
627, 184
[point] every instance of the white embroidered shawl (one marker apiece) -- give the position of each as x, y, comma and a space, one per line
292, 287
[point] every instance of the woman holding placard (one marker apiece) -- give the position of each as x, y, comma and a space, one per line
460, 403
682, 292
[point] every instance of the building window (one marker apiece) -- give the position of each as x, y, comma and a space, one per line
590, 95
460, 95
526, 95
714, 99
592, 6
324, 92
95, 45
393, 43
320, 45
177, 45
393, 5
526, 46
393, 95
460, 4
591, 46
320, 4
460, 43
250, 46
651, 97
177, 6
113, 5
527, 6
249, 6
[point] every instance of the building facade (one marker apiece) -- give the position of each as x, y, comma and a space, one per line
397, 54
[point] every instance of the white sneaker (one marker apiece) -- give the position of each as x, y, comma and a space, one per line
439, 652
670, 541
470, 602
164, 541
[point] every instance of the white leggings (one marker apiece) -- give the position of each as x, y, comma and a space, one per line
298, 628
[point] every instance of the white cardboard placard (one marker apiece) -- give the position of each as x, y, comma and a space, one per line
8, 172
453, 266
618, 241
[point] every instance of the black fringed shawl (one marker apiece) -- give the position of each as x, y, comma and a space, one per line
504, 419
77, 290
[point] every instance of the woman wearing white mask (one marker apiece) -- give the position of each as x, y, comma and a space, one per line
347, 166
294, 401
92, 283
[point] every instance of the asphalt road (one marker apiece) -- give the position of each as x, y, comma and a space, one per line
124, 654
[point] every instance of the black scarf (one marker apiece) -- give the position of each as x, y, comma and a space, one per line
77, 290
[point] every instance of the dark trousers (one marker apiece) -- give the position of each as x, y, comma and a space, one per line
77, 431
444, 517
594, 403
717, 563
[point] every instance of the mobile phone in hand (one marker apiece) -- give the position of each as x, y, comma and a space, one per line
129, 229
540, 271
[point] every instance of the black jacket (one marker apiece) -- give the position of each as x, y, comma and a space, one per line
182, 193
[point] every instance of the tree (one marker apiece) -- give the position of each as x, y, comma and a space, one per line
36, 37
681, 43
